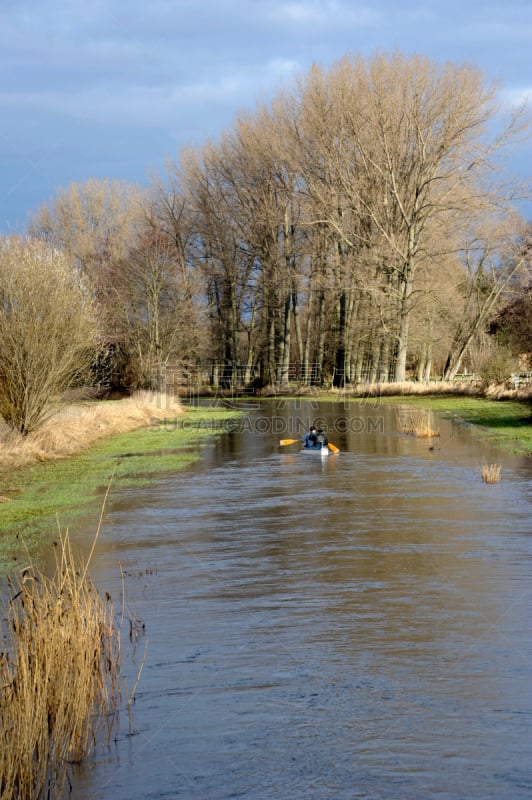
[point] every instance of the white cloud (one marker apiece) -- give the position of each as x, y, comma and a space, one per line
143, 105
302, 12
282, 67
328, 13
517, 96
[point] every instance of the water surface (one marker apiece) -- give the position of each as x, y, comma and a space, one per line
352, 627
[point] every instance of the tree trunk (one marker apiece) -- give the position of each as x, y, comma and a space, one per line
284, 347
339, 362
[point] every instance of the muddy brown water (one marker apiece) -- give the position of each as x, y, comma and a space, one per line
352, 627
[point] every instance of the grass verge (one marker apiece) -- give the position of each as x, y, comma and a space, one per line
35, 495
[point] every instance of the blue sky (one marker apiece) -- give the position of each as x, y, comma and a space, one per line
113, 88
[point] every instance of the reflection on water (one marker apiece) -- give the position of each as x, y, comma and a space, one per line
354, 627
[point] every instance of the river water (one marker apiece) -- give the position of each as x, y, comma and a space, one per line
350, 627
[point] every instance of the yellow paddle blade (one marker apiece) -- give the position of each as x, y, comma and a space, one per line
288, 441
333, 448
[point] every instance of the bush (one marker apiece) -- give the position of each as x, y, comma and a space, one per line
48, 330
497, 367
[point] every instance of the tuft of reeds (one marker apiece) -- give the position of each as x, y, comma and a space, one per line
59, 676
416, 422
491, 473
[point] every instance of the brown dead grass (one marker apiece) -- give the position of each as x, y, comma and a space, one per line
491, 473
416, 422
59, 676
76, 427
464, 388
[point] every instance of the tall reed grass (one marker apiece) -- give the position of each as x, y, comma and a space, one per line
59, 676
435, 388
491, 473
416, 422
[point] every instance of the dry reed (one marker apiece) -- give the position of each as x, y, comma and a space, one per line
407, 388
59, 676
491, 473
469, 388
75, 427
416, 422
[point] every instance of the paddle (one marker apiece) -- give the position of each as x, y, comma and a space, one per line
332, 447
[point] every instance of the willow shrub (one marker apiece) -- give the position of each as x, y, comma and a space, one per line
48, 331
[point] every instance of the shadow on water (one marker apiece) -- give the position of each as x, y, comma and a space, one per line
349, 627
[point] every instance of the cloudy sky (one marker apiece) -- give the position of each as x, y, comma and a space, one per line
113, 88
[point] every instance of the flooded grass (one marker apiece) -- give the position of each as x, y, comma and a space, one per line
504, 419
35, 495
507, 423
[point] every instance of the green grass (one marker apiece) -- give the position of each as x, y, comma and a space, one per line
42, 496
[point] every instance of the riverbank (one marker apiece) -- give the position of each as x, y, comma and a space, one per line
76, 426
130, 444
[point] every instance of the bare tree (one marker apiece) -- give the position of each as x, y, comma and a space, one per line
48, 330
93, 223
406, 158
493, 256
333, 228
155, 316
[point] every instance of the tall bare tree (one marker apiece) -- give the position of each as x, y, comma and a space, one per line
406, 151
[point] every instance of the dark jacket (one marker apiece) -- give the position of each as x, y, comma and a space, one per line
310, 439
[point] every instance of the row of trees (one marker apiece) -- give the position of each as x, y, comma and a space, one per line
355, 225
355, 229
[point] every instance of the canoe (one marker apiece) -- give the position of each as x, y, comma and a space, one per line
316, 451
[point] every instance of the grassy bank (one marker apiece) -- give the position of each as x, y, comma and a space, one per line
75, 427
38, 495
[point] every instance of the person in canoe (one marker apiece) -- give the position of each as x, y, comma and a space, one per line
322, 439
310, 439
315, 439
